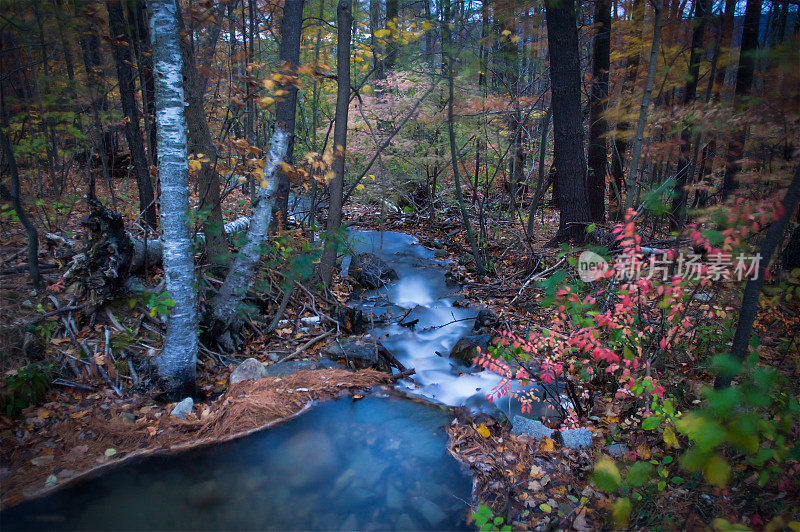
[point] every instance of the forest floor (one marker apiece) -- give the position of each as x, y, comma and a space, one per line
82, 426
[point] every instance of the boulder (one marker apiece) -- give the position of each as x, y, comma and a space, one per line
576, 438
371, 271
183, 408
250, 369
532, 427
281, 369
466, 349
359, 353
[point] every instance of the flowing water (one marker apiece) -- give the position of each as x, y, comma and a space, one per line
378, 463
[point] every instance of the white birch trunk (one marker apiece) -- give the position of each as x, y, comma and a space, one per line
242, 272
177, 361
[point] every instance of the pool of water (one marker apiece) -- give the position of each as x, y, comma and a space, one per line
379, 463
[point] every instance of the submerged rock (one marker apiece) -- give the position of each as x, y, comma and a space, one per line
532, 427
359, 353
183, 408
466, 349
281, 369
371, 271
250, 369
576, 438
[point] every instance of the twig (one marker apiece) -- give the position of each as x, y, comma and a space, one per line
305, 346
537, 276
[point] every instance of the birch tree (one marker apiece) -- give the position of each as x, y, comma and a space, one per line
177, 361
225, 305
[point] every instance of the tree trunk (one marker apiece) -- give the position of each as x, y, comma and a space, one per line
636, 148
178, 359
127, 91
392, 10
201, 142
137, 11
447, 41
686, 159
744, 82
541, 186
240, 276
623, 126
33, 235
344, 20
749, 309
565, 82
286, 109
598, 146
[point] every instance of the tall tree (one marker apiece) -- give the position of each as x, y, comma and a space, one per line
744, 82
392, 11
286, 108
127, 91
201, 143
344, 20
565, 82
685, 172
638, 139
447, 42
598, 146
178, 359
16, 201
620, 144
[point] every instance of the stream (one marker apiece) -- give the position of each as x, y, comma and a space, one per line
378, 463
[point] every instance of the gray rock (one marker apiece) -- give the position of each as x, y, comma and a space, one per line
466, 349
281, 369
532, 427
485, 319
359, 353
307, 458
394, 499
370, 271
250, 369
404, 522
440, 254
618, 450
432, 513
183, 408
576, 438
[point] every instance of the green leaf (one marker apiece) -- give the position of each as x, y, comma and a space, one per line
606, 475
651, 422
639, 474
545, 508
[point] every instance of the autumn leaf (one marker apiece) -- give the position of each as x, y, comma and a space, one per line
548, 445
483, 431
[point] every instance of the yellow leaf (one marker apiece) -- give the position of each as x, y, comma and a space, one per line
483, 431
506, 32
545, 508
670, 438
43, 413
359, 187
548, 445
264, 184
426, 25
794, 525
717, 471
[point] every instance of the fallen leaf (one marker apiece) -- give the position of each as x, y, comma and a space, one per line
42, 460
43, 413
548, 445
545, 508
643, 451
483, 431
110, 451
